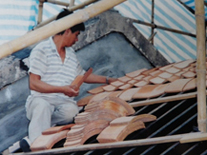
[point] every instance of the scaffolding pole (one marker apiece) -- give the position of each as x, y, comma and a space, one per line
201, 64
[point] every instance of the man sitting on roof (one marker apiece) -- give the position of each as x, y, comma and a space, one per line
53, 66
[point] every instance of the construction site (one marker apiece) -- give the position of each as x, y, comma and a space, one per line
156, 49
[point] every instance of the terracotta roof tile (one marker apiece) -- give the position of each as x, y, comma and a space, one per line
177, 86
96, 90
158, 80
141, 83
140, 77
127, 94
165, 75
135, 73
189, 74
124, 79
172, 70
110, 88
45, 142
183, 64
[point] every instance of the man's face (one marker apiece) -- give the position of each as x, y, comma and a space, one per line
71, 38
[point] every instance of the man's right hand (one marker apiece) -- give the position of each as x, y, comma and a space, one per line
70, 91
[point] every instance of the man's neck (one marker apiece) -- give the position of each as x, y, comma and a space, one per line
59, 45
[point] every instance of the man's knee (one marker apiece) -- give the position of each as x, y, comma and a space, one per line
38, 106
68, 113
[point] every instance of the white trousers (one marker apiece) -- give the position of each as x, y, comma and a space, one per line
44, 113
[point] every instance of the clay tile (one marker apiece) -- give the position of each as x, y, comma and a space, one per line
165, 75
150, 91
107, 104
158, 80
147, 72
155, 73
183, 64
189, 74
117, 83
103, 114
147, 78
110, 88
84, 100
141, 83
127, 94
135, 73
164, 68
124, 79
180, 73
190, 85
140, 77
96, 90
99, 97
132, 81
45, 142
56, 129
115, 93
177, 86
126, 86
129, 108
172, 70
173, 78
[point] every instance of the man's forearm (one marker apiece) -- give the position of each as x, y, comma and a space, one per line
93, 78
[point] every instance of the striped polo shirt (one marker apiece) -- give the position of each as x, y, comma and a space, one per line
45, 61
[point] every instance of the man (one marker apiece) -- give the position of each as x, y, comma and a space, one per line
53, 67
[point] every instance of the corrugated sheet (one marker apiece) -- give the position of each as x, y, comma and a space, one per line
19, 16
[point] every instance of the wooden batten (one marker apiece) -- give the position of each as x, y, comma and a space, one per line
165, 99
129, 143
57, 26
201, 67
196, 137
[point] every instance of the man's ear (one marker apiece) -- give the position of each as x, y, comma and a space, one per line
68, 31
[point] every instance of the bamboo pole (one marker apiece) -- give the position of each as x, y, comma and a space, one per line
162, 27
57, 26
201, 67
57, 2
129, 143
73, 8
164, 99
72, 3
152, 21
40, 11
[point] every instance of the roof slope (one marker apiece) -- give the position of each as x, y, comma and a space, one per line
174, 117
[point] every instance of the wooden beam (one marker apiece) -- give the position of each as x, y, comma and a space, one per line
201, 63
165, 99
57, 26
130, 143
197, 137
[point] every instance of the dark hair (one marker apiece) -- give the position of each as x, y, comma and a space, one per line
78, 27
